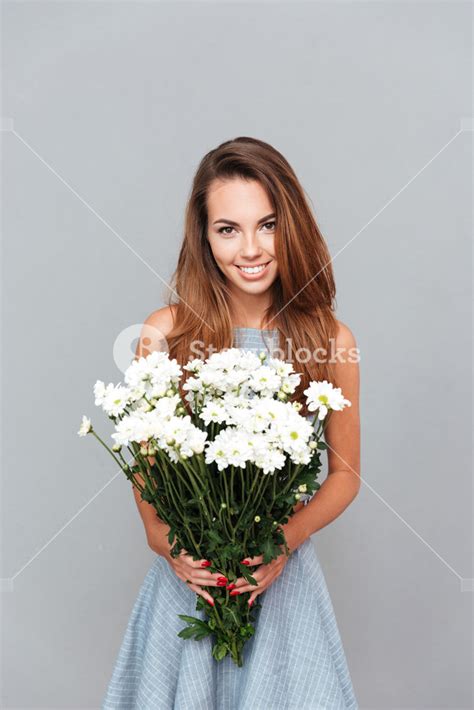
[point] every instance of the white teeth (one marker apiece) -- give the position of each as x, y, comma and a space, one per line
253, 269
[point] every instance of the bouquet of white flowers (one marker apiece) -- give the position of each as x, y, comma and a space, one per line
229, 461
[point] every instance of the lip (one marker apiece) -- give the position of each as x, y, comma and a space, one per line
253, 277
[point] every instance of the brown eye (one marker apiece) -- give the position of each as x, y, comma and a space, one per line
221, 230
272, 223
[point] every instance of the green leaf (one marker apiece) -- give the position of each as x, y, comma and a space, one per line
214, 536
270, 551
192, 620
247, 630
187, 633
198, 628
201, 634
171, 535
147, 496
246, 575
229, 614
219, 651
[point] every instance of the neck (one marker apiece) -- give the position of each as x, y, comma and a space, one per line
248, 310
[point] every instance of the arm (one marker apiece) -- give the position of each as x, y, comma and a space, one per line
156, 530
342, 435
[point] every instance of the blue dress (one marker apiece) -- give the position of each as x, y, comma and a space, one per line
295, 659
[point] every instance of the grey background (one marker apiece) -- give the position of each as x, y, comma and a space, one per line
108, 108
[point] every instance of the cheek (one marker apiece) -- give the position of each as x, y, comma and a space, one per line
222, 251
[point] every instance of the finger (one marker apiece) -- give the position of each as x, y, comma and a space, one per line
252, 598
242, 582
202, 593
207, 578
263, 581
253, 560
199, 564
246, 587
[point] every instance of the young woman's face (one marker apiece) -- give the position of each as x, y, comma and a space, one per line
241, 231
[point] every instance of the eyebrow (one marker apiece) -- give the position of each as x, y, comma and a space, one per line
236, 224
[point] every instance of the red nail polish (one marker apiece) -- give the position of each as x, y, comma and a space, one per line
222, 579
221, 583
209, 602
206, 563
245, 562
230, 586
234, 592
251, 601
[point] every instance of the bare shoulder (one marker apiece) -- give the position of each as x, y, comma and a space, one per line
155, 329
162, 319
346, 356
345, 337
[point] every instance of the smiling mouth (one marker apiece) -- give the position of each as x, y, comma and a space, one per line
253, 269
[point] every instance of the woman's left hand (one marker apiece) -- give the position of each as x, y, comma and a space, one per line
266, 574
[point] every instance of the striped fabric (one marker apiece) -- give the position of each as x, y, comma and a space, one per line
295, 659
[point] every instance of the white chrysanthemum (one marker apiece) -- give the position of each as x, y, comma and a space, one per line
180, 438
116, 400
193, 365
171, 431
140, 405
231, 361
100, 390
154, 375
86, 426
213, 412
260, 415
230, 447
265, 381
282, 368
166, 406
270, 460
235, 379
324, 396
212, 379
196, 440
237, 415
192, 384
294, 434
130, 428
291, 382
301, 457
289, 379
249, 361
137, 393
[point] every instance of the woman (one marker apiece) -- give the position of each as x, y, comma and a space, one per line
253, 272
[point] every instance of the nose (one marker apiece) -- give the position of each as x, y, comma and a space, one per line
251, 248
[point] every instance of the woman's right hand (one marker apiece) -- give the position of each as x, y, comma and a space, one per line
192, 572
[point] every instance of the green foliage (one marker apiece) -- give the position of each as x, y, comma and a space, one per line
247, 631
220, 651
197, 628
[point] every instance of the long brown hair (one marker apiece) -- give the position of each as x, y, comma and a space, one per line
303, 294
